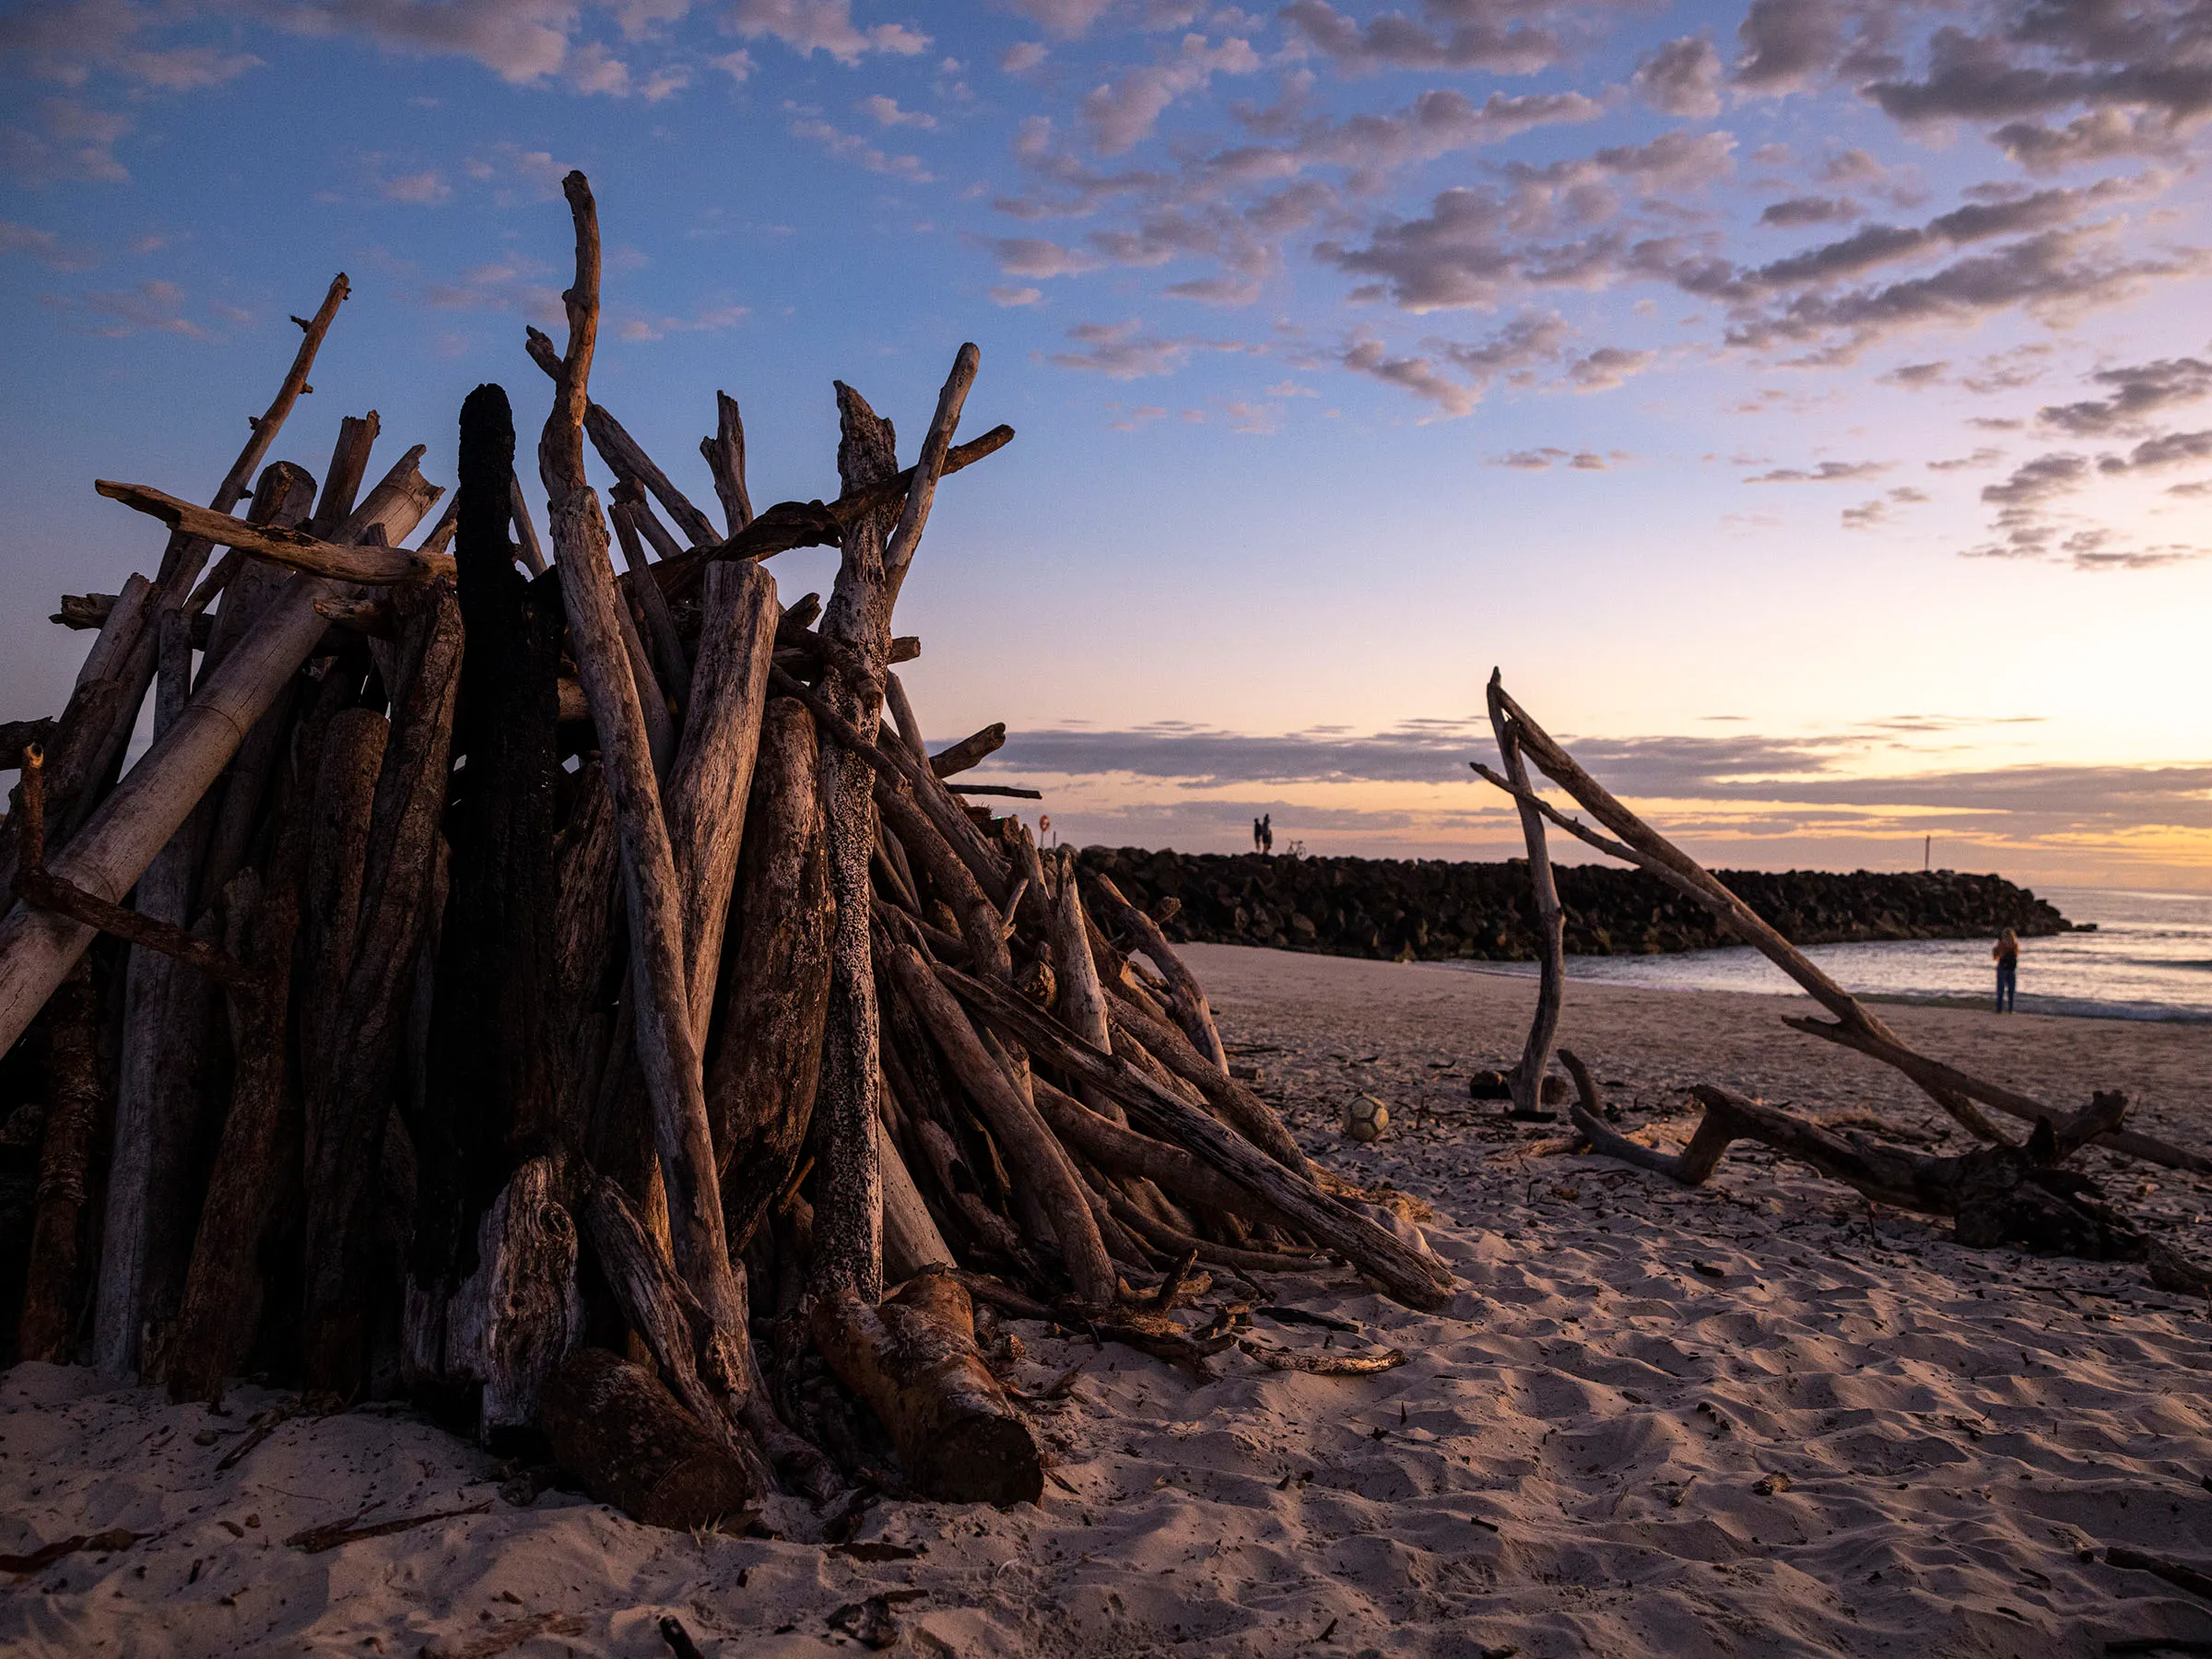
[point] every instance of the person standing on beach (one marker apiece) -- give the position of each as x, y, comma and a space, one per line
2007, 955
1267, 835
1255, 835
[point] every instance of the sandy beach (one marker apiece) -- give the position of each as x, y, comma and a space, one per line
1753, 1419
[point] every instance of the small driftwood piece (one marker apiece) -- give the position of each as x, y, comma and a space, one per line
914, 1360
972, 751
1186, 996
299, 550
622, 1434
1526, 1081
1410, 1275
2001, 1195
319, 1540
1033, 1154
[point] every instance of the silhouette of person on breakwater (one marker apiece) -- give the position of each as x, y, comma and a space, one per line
1267, 835
2007, 955
1256, 838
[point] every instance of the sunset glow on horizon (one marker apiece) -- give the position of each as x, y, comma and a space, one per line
1801, 403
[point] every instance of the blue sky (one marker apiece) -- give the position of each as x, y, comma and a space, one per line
1804, 403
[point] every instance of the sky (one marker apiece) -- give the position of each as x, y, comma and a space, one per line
1807, 406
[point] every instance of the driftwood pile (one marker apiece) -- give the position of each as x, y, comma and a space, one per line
2001, 1192
564, 996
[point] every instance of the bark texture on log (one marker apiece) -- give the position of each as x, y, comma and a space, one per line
913, 1360
1033, 1154
54, 1280
769, 1044
515, 1318
349, 1104
622, 1434
710, 783
490, 1075
666, 1050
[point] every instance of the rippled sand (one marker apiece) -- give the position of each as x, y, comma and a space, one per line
1752, 1420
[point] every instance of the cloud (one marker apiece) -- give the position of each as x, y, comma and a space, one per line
811, 26
1128, 419
1015, 296
2135, 391
1827, 472
1544, 460
1035, 257
65, 43
1122, 112
1809, 210
76, 146
707, 319
1980, 457
1453, 34
1418, 376
154, 307
886, 113
850, 147
1125, 351
1608, 367
45, 247
423, 189
1022, 56
1065, 19
1682, 77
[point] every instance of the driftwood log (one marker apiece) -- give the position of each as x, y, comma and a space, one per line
519, 965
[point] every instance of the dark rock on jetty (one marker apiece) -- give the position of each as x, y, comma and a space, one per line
1432, 909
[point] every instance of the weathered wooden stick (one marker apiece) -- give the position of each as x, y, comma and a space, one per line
1187, 996
1556, 763
725, 454
848, 1230
902, 713
660, 621
491, 1077
344, 787
711, 780
970, 751
1236, 1102
39, 887
624, 457
619, 1431
1526, 1081
764, 1070
525, 532
348, 1107
348, 465
913, 1360
53, 1283
1113, 1146
2000, 1194
81, 730
981, 924
667, 1052
1411, 1276
1031, 1152
1167, 1237
296, 548
790, 524
911, 1239
222, 1301
182, 561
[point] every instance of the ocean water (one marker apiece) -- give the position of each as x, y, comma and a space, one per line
2149, 958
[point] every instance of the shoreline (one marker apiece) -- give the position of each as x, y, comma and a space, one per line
1961, 1004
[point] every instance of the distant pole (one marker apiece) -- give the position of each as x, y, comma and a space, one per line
1927, 849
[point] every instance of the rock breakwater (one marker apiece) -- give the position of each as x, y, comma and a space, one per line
1433, 910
